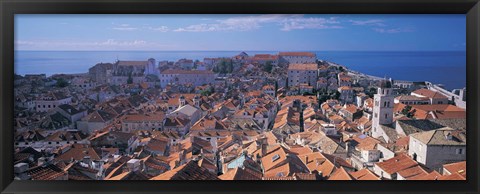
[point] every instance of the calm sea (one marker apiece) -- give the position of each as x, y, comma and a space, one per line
446, 67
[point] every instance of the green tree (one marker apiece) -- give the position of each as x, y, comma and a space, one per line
371, 92
61, 83
407, 111
205, 93
335, 95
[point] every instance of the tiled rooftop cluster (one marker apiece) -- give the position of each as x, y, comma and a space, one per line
285, 116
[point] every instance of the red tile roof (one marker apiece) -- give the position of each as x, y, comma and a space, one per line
340, 174
396, 164
189, 171
303, 67
364, 175
429, 93
457, 167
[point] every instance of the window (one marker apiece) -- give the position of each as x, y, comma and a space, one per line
275, 157
385, 104
459, 151
49, 106
376, 115
386, 115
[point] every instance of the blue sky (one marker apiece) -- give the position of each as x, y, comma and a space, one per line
240, 32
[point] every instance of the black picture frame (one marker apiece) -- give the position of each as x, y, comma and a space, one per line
8, 8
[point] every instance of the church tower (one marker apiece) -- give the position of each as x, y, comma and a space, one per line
182, 101
382, 108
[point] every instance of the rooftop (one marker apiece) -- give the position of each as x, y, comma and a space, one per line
303, 67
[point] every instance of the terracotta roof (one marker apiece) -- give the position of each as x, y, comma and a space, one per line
457, 167
274, 156
241, 174
345, 88
157, 145
364, 175
396, 164
429, 93
265, 57
176, 122
299, 150
303, 67
340, 174
78, 153
189, 171
434, 175
412, 172
351, 108
100, 116
155, 117
364, 142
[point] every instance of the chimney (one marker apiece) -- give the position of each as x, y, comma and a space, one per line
264, 149
448, 136
87, 160
41, 161
134, 165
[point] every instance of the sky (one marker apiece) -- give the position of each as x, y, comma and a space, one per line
57, 32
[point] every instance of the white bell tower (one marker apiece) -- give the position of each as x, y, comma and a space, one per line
382, 108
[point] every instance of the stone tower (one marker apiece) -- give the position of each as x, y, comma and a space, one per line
382, 108
182, 101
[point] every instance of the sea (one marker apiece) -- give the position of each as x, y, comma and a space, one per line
439, 67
